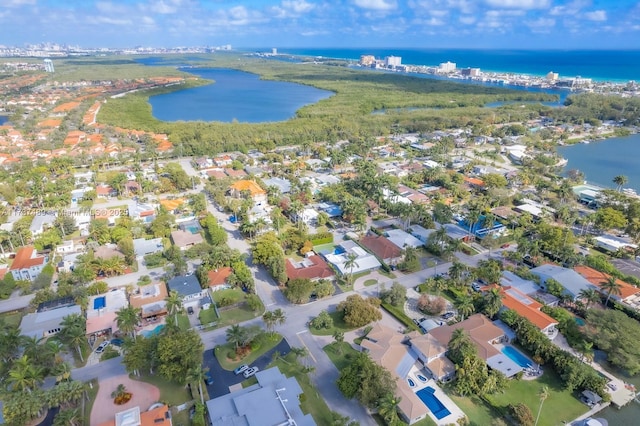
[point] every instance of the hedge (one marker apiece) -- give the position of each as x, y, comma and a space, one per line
399, 314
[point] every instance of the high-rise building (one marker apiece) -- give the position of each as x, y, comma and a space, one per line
552, 76
48, 65
447, 67
274, 51
471, 72
393, 61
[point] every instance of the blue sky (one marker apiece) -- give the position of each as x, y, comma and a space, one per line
506, 24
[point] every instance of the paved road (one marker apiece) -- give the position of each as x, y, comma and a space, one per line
15, 303
104, 370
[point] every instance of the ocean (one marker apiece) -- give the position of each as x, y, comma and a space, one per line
603, 65
3, 119
601, 161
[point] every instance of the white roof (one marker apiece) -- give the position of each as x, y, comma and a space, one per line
533, 210
402, 239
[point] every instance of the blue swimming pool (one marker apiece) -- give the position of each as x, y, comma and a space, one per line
155, 331
338, 250
99, 302
193, 229
516, 356
433, 404
579, 321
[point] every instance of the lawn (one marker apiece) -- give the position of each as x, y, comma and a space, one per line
183, 322
235, 316
561, 406
260, 345
338, 325
368, 283
399, 314
340, 354
87, 404
208, 316
478, 413
170, 392
229, 295
12, 318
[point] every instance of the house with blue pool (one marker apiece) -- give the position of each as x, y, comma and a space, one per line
417, 362
102, 311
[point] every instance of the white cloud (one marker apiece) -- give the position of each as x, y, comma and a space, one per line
519, 4
596, 15
439, 13
113, 21
541, 25
467, 19
569, 8
298, 6
376, 4
110, 7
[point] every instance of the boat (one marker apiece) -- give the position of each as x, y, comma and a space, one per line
629, 191
586, 141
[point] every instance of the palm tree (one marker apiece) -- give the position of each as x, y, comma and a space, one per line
464, 305
338, 336
611, 286
492, 302
73, 331
620, 181
197, 374
457, 272
9, 342
236, 335
127, 318
388, 408
119, 392
351, 263
24, 376
544, 394
69, 417
590, 295
279, 316
174, 304
269, 320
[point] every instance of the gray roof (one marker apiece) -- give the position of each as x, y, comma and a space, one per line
143, 247
525, 286
572, 281
402, 239
504, 364
259, 405
36, 324
283, 185
185, 285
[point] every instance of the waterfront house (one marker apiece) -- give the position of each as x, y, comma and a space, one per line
629, 294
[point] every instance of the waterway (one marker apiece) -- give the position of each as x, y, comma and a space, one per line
235, 96
628, 415
601, 161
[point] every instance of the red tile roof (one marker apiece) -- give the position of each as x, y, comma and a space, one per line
381, 246
219, 276
26, 257
314, 267
597, 278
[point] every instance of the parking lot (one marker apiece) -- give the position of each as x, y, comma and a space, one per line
628, 267
223, 379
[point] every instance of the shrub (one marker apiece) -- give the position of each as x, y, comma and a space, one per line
358, 311
323, 320
521, 414
431, 305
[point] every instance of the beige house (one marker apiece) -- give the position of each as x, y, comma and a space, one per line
150, 299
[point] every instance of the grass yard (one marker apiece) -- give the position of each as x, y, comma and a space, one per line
399, 314
338, 325
261, 344
235, 316
183, 322
368, 283
170, 392
478, 413
561, 406
228, 296
208, 316
340, 354
329, 247
12, 318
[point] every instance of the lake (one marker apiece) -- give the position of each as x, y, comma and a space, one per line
601, 161
235, 96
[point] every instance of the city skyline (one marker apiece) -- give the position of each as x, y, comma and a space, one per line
508, 24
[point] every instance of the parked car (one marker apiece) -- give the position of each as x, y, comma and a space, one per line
208, 379
250, 372
447, 315
240, 369
505, 245
190, 310
475, 286
102, 347
612, 386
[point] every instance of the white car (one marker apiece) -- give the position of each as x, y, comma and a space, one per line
102, 347
250, 372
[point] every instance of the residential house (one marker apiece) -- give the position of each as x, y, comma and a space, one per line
144, 247
27, 264
46, 323
525, 306
364, 261
157, 415
384, 249
188, 287
150, 299
185, 239
235, 174
629, 294
42, 222
312, 267
204, 163
223, 161
67, 246
399, 355
484, 335
571, 281
611, 243
402, 239
332, 210
218, 278
107, 251
283, 185
308, 216
273, 400
105, 191
420, 233
144, 212
102, 311
250, 188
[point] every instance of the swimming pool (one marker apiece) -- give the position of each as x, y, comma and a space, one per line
99, 302
154, 332
516, 356
193, 229
411, 383
436, 407
579, 321
421, 378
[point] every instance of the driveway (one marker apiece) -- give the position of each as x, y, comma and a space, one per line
143, 395
223, 379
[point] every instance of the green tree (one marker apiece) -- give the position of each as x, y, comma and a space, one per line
388, 408
322, 321
174, 304
127, 319
544, 394
396, 295
299, 290
351, 263
589, 295
365, 380
236, 335
611, 286
492, 302
178, 352
358, 312
464, 305
197, 375
73, 332
522, 414
620, 181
